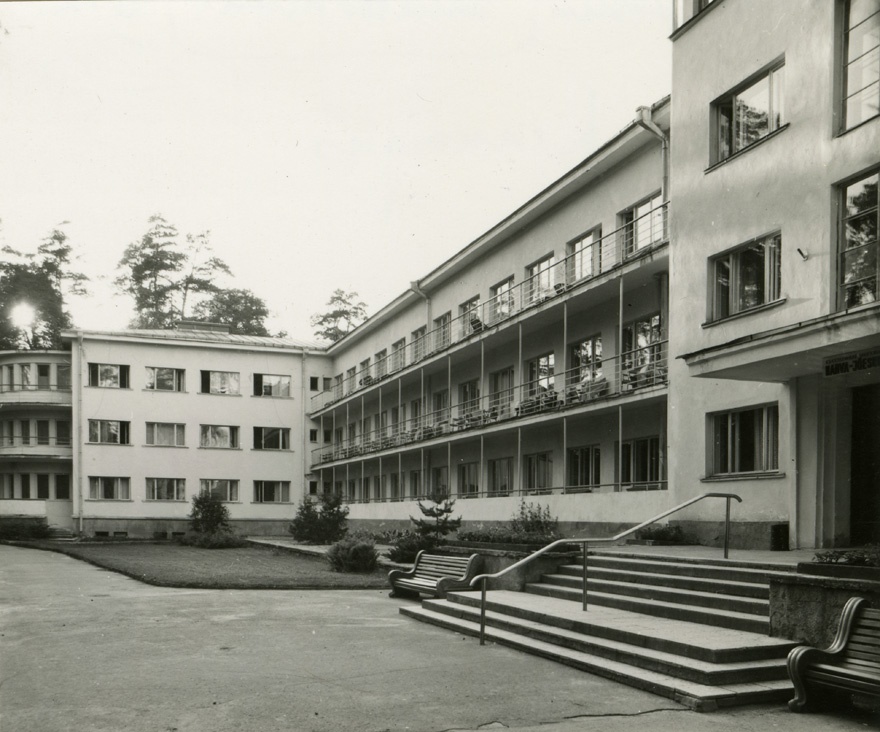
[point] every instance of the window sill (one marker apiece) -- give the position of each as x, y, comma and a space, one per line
269, 396
738, 153
117, 388
176, 447
855, 127
764, 475
231, 449
166, 391
744, 313
269, 449
165, 500
109, 500
271, 503
109, 444
211, 393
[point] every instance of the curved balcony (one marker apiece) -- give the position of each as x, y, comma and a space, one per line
55, 395
35, 448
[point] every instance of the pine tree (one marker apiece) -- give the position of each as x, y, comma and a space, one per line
437, 521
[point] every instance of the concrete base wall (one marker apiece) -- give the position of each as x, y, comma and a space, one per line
743, 534
150, 528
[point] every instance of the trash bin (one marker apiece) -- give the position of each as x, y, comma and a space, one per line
779, 538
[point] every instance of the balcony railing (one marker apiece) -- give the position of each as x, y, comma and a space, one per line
588, 383
18, 386
34, 441
588, 262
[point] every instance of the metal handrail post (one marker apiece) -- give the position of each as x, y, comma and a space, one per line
483, 612
584, 592
727, 527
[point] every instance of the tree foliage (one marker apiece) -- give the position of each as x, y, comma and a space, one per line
209, 514
345, 312
437, 521
320, 525
241, 310
40, 281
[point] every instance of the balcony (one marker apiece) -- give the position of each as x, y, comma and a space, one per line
587, 385
36, 394
622, 246
34, 447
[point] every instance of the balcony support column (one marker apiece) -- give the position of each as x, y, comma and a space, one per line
519, 480
381, 485
483, 471
564, 451
619, 447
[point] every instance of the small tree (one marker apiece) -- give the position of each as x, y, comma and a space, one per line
324, 525
437, 521
345, 312
209, 514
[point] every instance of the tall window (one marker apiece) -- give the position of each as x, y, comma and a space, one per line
641, 346
62, 487
440, 403
540, 374
500, 476
224, 489
62, 432
583, 467
440, 479
415, 413
538, 472
502, 303
643, 225
216, 435
220, 382
539, 279
747, 277
166, 433
398, 354
351, 380
746, 441
584, 256
469, 480
109, 376
415, 483
164, 379
42, 431
469, 397
501, 387
42, 486
418, 344
63, 371
109, 489
859, 264
640, 463
586, 361
271, 491
442, 326
749, 113
364, 372
271, 385
43, 370
469, 314
382, 363
109, 432
862, 88
271, 438
166, 489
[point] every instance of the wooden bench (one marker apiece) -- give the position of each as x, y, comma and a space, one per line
434, 574
851, 664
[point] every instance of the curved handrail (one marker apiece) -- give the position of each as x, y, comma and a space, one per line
483, 578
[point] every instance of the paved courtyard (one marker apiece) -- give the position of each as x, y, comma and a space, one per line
85, 649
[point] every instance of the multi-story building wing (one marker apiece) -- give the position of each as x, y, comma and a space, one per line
775, 161
162, 415
36, 455
532, 363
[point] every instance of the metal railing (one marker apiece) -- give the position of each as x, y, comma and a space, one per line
484, 578
34, 386
581, 265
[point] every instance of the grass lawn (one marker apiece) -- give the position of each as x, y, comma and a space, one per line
248, 568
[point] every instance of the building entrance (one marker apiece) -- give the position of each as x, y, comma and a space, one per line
865, 466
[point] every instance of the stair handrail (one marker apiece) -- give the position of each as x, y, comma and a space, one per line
584, 542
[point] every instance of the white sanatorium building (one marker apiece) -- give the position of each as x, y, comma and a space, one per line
695, 307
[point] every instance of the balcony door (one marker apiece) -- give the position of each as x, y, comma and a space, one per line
865, 466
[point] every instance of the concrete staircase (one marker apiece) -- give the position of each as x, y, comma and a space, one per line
691, 630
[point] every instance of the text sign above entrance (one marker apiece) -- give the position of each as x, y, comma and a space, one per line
852, 363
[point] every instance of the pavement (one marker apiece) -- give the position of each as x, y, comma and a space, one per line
86, 649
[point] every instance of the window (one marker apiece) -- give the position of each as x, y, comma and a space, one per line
24, 427
469, 397
538, 472
109, 376
271, 438
62, 432
415, 413
63, 371
501, 388
108, 489
327, 382
166, 433
43, 375
586, 362
440, 479
313, 436
440, 403
42, 431
640, 463
271, 491
313, 487
859, 264
442, 331
166, 489
350, 380
165, 379
62, 487
27, 381
398, 354
365, 372
225, 490
220, 382
272, 385
643, 225
418, 343
747, 277
382, 363
684, 10
469, 480
584, 256
500, 476
502, 303
313, 383
109, 432
862, 85
539, 280
221, 436
42, 486
469, 314
540, 374
642, 354
24, 481
749, 113
746, 441
583, 467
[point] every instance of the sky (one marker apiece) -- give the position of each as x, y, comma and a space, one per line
324, 145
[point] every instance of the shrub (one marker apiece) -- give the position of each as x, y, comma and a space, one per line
664, 533
866, 556
353, 554
24, 528
320, 525
410, 543
209, 514
533, 518
505, 535
214, 540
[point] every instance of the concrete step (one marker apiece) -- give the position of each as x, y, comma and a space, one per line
708, 616
698, 696
718, 568
658, 591
758, 590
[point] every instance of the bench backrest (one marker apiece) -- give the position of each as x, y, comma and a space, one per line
435, 566
863, 645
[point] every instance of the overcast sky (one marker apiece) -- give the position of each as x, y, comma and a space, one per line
324, 145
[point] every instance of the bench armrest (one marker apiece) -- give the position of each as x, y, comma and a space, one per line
396, 574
